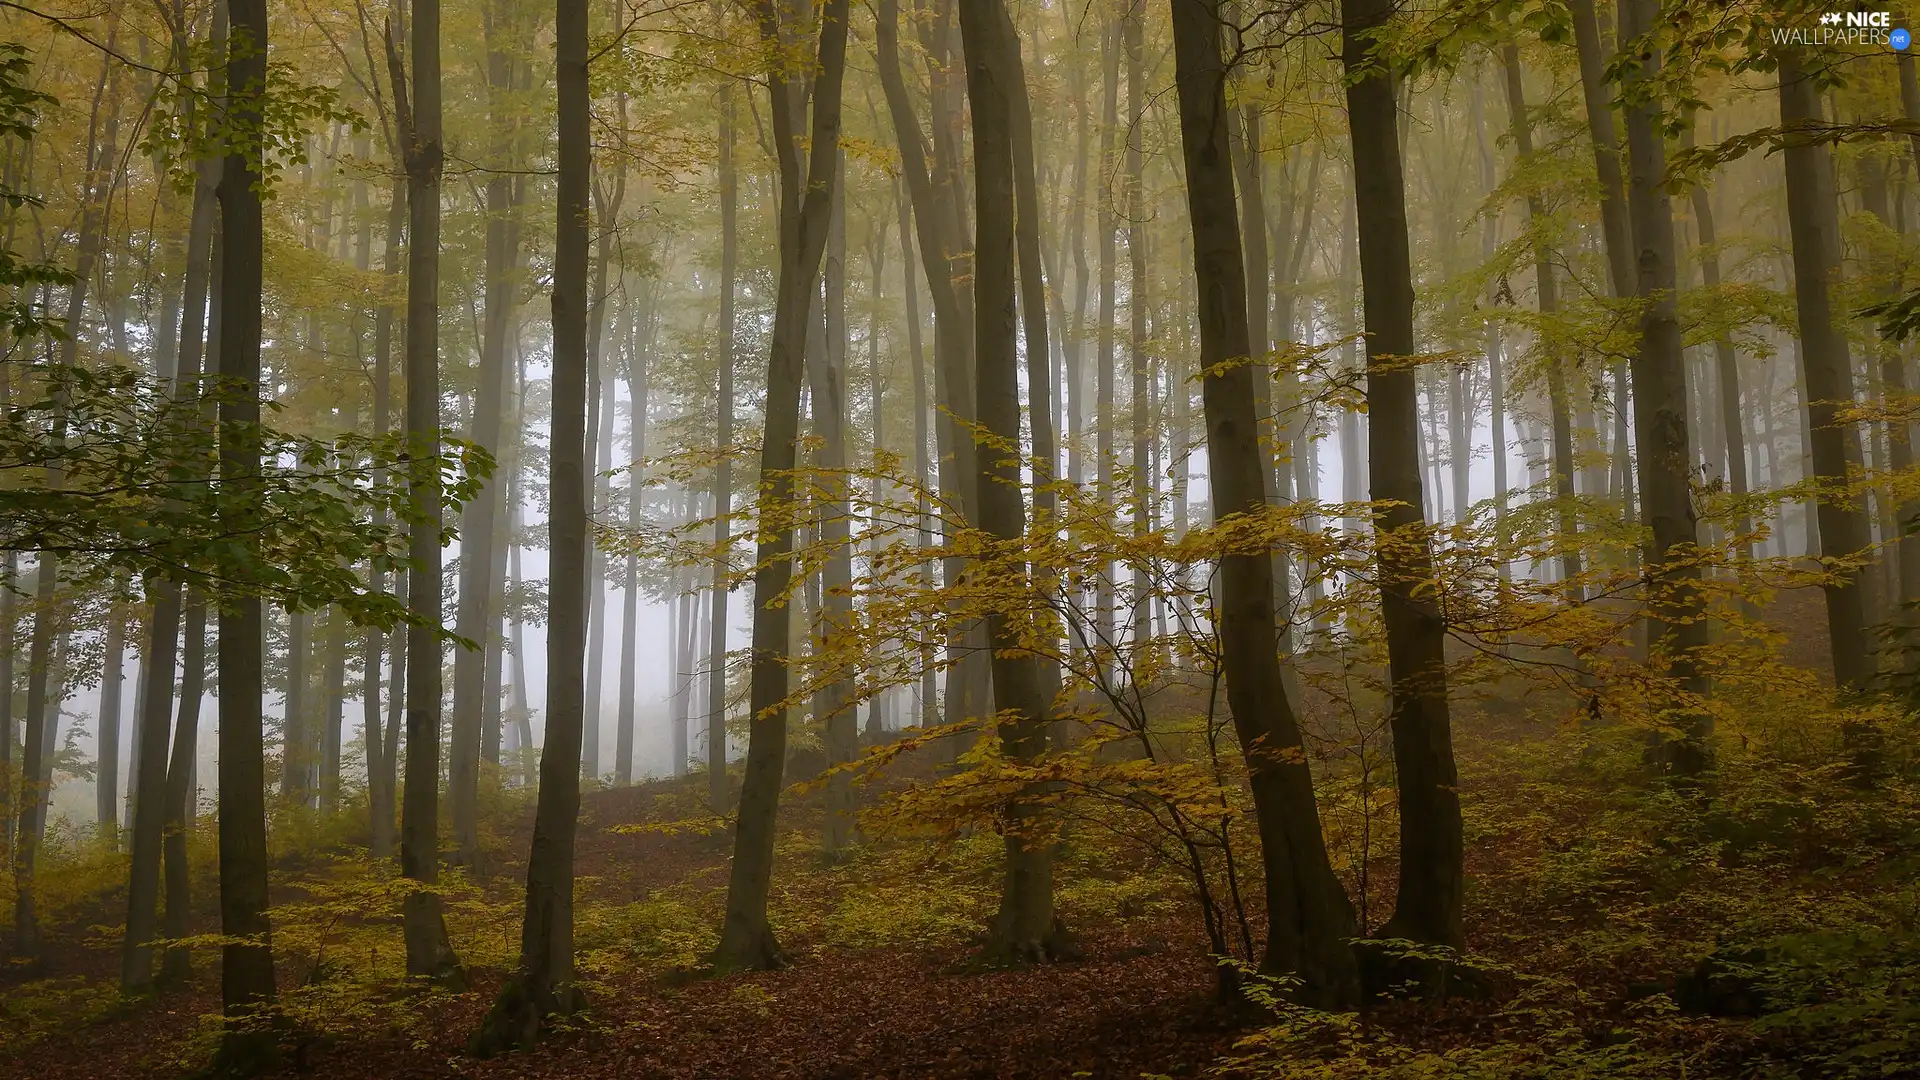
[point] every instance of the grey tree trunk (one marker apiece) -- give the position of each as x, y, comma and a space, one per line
1309, 919
542, 990
246, 958
183, 792
1826, 370
1105, 636
1432, 879
717, 789
1679, 624
1024, 930
637, 356
746, 939
382, 745
922, 466
479, 518
1547, 296
429, 954
827, 385
107, 762
1726, 368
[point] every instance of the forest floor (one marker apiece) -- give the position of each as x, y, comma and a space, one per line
1767, 927
1138, 1001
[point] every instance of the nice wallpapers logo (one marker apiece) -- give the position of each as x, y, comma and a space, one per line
1843, 29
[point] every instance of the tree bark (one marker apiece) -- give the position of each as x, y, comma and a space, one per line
246, 958
479, 517
1308, 917
1727, 371
1024, 930
1660, 417
1432, 879
746, 940
429, 954
827, 385
717, 789
1826, 371
542, 988
1546, 291
182, 792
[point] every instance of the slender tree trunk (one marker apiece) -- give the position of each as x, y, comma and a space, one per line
1660, 415
151, 791
630, 612
246, 969
1432, 879
199, 338
1893, 379
182, 792
479, 516
296, 760
1106, 638
1547, 295
9, 571
1727, 370
36, 758
382, 768
827, 384
717, 790
1616, 229
1309, 919
1024, 930
607, 204
107, 761
429, 954
542, 988
746, 940
922, 466
1033, 313
1826, 371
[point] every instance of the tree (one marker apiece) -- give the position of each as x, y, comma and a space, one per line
746, 939
1813, 220
1309, 919
1660, 403
429, 954
1024, 930
1432, 878
542, 989
478, 520
246, 957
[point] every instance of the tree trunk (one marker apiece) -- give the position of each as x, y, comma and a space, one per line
542, 988
182, 792
151, 792
479, 516
1309, 920
630, 611
246, 962
1548, 301
717, 790
922, 467
1827, 372
827, 385
1024, 930
1105, 636
1432, 880
429, 954
1660, 417
382, 768
746, 940
107, 761
1893, 378
1727, 370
